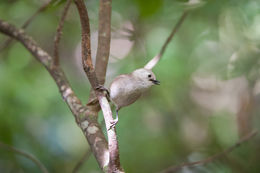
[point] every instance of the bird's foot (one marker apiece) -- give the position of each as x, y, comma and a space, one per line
102, 88
113, 123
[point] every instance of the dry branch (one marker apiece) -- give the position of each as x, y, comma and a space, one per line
212, 158
59, 32
27, 155
157, 58
85, 118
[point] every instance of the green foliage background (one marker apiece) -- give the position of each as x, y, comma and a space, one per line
166, 126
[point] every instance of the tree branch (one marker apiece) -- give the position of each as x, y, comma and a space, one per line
59, 32
156, 59
104, 37
114, 161
84, 158
84, 116
214, 157
26, 24
27, 155
85, 44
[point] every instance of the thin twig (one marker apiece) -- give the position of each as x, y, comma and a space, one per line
26, 24
80, 163
59, 32
156, 59
214, 157
27, 155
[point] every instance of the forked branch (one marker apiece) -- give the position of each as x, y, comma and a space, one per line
104, 38
114, 161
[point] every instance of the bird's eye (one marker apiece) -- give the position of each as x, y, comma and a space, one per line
149, 75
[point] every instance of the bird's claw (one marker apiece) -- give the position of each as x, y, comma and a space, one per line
113, 124
102, 88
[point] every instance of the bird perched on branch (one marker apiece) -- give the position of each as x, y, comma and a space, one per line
127, 88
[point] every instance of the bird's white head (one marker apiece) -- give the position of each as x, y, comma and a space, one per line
146, 77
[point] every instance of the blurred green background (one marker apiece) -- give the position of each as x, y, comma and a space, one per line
207, 100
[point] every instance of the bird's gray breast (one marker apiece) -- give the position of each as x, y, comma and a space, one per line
124, 91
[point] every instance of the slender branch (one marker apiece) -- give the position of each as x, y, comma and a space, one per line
156, 59
85, 157
214, 157
84, 116
26, 24
59, 32
114, 161
104, 37
85, 46
27, 155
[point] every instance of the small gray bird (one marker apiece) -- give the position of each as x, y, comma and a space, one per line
127, 88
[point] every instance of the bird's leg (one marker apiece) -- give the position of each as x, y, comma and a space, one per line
102, 88
114, 122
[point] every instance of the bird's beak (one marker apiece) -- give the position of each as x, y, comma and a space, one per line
156, 82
